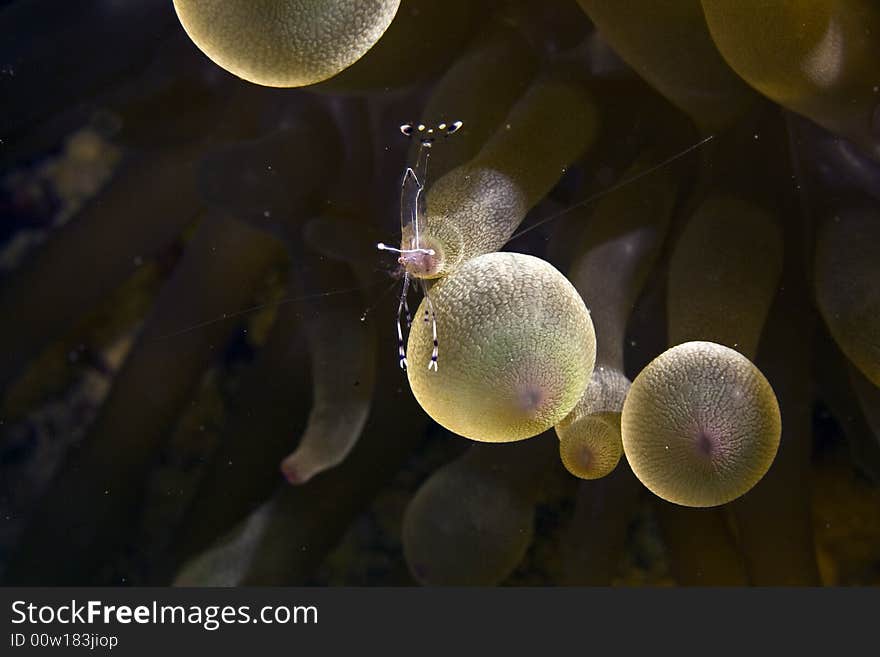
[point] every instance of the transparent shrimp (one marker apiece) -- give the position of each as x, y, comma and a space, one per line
414, 254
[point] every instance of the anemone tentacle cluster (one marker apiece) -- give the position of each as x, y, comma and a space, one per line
693, 297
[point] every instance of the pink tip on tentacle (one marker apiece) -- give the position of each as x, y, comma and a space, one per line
294, 475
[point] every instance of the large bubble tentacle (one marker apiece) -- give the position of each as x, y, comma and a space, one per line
472, 521
285, 43
476, 207
701, 425
668, 44
807, 56
847, 269
343, 357
729, 424
620, 245
518, 348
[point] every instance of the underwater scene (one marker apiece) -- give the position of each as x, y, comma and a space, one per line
419, 293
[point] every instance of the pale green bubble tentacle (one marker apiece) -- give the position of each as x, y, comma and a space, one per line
723, 274
342, 352
479, 90
701, 425
807, 55
472, 521
517, 348
476, 207
668, 44
620, 245
868, 396
285, 43
589, 442
847, 267
225, 563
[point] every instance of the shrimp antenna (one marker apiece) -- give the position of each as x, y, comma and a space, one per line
613, 188
411, 212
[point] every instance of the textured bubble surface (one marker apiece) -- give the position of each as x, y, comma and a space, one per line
700, 425
285, 43
516, 349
